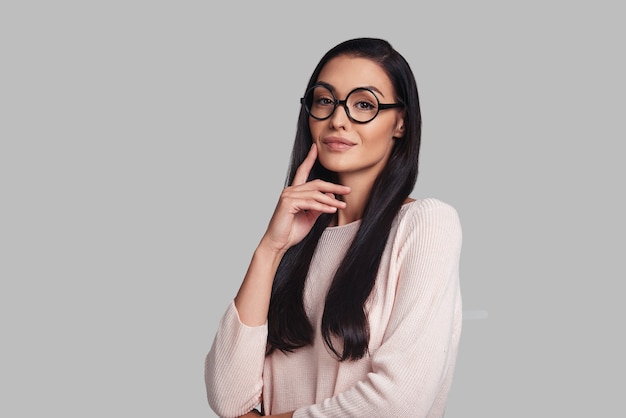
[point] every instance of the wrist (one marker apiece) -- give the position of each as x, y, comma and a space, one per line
269, 251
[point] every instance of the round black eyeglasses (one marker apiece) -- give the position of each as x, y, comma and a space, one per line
361, 104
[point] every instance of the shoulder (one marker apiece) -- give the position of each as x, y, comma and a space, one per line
428, 220
429, 210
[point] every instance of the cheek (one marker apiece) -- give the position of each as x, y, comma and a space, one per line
381, 137
381, 143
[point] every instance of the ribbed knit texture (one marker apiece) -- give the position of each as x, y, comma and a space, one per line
414, 314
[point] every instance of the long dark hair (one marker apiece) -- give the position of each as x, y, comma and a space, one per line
345, 313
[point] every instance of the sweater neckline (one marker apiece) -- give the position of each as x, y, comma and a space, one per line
355, 224
351, 225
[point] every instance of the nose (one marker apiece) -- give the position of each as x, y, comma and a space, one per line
339, 117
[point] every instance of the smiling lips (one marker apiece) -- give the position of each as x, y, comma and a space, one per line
337, 144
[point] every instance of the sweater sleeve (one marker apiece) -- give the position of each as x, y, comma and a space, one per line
234, 366
412, 368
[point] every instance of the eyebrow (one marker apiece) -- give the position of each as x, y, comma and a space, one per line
332, 88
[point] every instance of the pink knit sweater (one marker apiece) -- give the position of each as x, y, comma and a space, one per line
414, 314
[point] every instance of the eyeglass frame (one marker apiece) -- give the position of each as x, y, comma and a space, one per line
344, 103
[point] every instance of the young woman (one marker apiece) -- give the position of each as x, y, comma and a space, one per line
351, 305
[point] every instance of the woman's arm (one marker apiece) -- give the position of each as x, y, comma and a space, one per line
297, 210
234, 365
255, 414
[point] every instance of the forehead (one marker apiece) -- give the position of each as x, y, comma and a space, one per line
345, 73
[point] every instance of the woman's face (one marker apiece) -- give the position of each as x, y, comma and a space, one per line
347, 147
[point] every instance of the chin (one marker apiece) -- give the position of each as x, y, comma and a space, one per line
331, 164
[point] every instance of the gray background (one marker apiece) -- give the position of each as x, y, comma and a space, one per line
144, 145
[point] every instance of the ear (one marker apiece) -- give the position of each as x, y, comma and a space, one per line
398, 132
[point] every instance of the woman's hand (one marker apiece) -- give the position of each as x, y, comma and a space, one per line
251, 414
300, 205
297, 210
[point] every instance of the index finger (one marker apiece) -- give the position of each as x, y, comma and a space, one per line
302, 173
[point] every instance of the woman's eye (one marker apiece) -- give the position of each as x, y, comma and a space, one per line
365, 105
324, 101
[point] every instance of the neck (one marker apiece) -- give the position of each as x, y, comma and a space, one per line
355, 204
360, 189
356, 200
